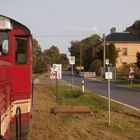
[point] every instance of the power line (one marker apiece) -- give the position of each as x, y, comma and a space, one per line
53, 36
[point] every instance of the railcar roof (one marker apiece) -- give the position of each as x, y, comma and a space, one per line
16, 24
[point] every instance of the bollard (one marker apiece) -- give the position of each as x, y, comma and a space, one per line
83, 86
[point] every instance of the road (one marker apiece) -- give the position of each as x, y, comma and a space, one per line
129, 96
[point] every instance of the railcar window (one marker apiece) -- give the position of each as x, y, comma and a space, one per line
4, 43
21, 50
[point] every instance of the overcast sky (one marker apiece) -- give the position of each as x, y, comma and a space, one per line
58, 22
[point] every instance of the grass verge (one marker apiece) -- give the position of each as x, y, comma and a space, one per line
125, 122
127, 83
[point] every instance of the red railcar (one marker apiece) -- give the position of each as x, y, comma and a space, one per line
15, 78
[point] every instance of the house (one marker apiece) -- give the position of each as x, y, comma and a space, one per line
127, 44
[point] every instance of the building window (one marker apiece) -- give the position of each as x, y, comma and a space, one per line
124, 51
21, 50
124, 63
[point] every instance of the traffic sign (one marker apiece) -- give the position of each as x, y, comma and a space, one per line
57, 69
108, 75
71, 60
131, 72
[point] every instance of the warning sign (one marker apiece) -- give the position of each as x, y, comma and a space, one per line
131, 72
56, 71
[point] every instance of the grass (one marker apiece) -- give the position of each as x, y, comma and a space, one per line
119, 126
127, 83
75, 96
125, 122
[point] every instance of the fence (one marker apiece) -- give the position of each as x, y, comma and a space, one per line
87, 74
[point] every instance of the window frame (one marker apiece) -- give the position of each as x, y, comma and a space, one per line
22, 54
124, 51
2, 53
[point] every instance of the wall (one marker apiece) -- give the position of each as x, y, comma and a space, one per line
130, 57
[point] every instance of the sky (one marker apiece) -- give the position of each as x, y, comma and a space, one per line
58, 22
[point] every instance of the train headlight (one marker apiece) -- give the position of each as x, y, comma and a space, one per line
5, 23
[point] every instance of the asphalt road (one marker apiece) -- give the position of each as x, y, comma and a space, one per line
129, 96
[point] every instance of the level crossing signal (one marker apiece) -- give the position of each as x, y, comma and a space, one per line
131, 72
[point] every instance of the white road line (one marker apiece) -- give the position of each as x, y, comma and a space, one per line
106, 97
110, 99
120, 103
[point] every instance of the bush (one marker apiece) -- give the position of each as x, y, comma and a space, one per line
122, 72
73, 94
137, 76
96, 66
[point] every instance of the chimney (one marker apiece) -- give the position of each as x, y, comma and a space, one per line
113, 30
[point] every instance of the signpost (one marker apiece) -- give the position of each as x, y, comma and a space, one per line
72, 62
131, 73
108, 76
56, 68
56, 74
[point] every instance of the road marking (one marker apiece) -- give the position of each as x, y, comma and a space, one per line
107, 98
120, 103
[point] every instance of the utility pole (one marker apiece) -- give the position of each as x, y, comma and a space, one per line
104, 49
80, 57
109, 94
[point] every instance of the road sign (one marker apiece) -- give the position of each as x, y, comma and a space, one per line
54, 66
131, 72
52, 75
107, 61
71, 60
108, 75
57, 69
131, 76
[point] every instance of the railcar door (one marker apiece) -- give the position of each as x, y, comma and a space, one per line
22, 67
22, 73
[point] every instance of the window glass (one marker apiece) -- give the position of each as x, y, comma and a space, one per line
4, 43
21, 50
124, 51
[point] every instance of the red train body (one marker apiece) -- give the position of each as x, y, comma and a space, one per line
15, 76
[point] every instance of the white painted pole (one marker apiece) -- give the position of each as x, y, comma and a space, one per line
83, 86
72, 76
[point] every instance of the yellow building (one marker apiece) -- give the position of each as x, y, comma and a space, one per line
127, 44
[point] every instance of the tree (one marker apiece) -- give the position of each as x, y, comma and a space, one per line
75, 51
135, 28
96, 66
93, 51
53, 54
49, 56
87, 50
138, 59
38, 63
111, 53
64, 61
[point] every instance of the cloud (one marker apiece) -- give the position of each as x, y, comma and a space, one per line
82, 29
